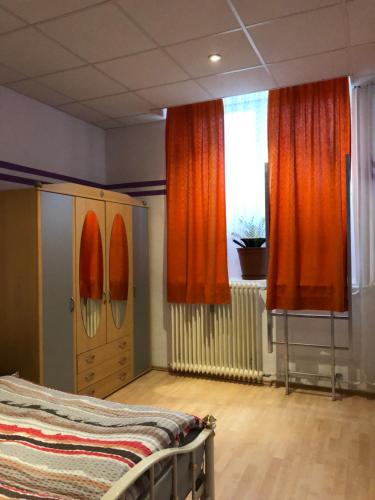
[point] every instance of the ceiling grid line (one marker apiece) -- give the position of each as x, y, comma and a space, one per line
86, 63
122, 59
40, 21
294, 14
125, 90
250, 40
89, 7
159, 46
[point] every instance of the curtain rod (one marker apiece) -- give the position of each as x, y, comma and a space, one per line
370, 84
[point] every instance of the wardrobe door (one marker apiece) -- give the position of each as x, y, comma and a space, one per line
141, 334
119, 271
90, 273
57, 229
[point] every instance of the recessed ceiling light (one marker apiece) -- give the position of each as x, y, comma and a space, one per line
215, 57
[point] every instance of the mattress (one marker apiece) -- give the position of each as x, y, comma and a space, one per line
55, 445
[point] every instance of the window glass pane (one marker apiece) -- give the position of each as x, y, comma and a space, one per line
245, 155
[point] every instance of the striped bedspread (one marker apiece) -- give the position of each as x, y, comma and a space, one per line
55, 445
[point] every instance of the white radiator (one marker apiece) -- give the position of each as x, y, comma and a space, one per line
222, 340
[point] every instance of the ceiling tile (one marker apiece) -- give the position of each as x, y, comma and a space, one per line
33, 89
237, 82
171, 21
175, 94
234, 47
110, 123
38, 10
300, 35
83, 112
119, 105
99, 33
145, 118
82, 83
8, 22
144, 70
361, 21
8, 75
311, 68
363, 59
260, 10
33, 54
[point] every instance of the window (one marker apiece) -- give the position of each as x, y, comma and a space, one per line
245, 155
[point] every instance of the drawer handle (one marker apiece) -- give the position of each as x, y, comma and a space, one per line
123, 361
90, 359
122, 345
122, 376
89, 376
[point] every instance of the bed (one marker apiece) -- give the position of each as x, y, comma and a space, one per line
55, 445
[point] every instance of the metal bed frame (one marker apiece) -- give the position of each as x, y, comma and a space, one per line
202, 477
331, 315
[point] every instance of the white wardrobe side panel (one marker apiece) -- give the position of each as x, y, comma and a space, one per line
141, 333
57, 282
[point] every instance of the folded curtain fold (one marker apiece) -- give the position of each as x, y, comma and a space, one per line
308, 140
197, 269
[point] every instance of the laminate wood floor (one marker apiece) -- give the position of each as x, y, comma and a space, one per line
269, 446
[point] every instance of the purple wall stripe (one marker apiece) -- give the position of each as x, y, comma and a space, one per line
19, 180
147, 193
45, 173
66, 178
125, 185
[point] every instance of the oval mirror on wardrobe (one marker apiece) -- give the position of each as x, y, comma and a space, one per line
118, 270
91, 274
119, 276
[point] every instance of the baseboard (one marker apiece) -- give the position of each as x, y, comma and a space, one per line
320, 388
141, 374
160, 368
266, 382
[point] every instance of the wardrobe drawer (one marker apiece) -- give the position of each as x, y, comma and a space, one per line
97, 356
98, 372
108, 385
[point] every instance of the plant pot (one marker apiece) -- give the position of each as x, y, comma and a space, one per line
253, 263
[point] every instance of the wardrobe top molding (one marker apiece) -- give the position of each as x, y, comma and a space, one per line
91, 192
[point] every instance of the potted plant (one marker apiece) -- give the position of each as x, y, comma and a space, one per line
252, 254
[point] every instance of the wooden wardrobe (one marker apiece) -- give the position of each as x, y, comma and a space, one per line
74, 297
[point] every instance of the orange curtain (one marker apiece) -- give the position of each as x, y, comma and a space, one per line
196, 235
91, 259
118, 260
308, 139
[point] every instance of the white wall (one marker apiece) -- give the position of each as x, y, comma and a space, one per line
356, 366
159, 305
137, 154
39, 136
